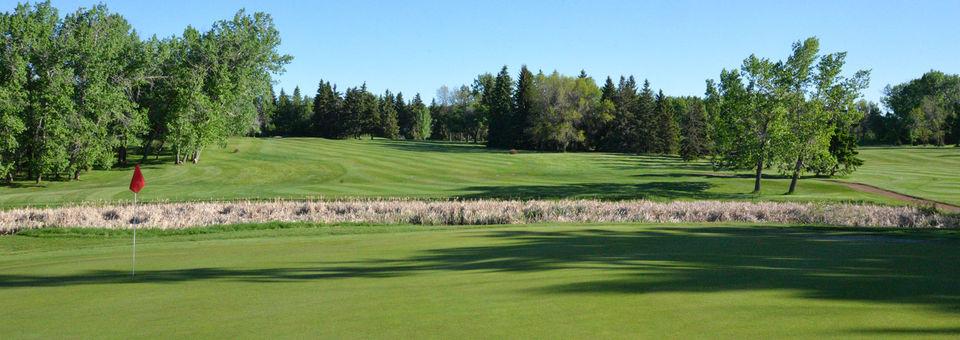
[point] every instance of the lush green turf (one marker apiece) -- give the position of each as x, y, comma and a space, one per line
931, 173
541, 281
304, 167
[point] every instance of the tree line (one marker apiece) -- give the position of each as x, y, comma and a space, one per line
78, 92
925, 110
536, 111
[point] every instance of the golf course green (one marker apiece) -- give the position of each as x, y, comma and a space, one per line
570, 281
251, 168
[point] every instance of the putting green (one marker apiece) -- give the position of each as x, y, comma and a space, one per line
573, 281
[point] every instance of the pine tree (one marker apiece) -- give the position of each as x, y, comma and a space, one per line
369, 112
694, 142
421, 122
389, 128
645, 121
351, 124
499, 104
667, 130
403, 117
622, 136
524, 103
326, 112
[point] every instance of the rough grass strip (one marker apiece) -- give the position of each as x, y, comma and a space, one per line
479, 212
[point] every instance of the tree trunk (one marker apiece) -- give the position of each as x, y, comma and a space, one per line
10, 177
759, 175
796, 176
159, 150
177, 159
39, 178
122, 155
76, 175
146, 149
196, 156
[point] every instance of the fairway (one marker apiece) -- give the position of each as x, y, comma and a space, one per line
927, 172
572, 281
250, 168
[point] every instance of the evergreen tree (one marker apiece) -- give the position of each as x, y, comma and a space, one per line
351, 123
646, 121
499, 104
421, 120
370, 113
622, 135
667, 130
694, 142
403, 117
524, 100
326, 112
389, 127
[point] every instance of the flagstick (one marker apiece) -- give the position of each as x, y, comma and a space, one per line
133, 270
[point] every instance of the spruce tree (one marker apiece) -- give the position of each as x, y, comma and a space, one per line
622, 136
389, 128
403, 117
500, 106
524, 103
667, 130
694, 141
369, 113
421, 122
645, 121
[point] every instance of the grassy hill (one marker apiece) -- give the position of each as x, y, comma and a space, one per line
931, 173
570, 281
251, 168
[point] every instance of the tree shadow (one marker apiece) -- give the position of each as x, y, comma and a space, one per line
434, 146
606, 191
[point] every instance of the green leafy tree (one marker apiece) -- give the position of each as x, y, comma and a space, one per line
49, 90
562, 102
819, 100
926, 109
748, 121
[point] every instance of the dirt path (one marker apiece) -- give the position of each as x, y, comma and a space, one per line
896, 195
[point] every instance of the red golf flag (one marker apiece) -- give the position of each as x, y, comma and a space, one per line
137, 182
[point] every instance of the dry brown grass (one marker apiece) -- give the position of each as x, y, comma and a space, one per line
186, 215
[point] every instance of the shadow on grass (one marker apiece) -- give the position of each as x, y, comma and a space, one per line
898, 267
607, 191
435, 146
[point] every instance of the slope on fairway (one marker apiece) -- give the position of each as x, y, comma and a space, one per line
251, 168
522, 281
927, 172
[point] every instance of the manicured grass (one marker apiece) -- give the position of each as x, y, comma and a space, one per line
927, 172
308, 167
544, 281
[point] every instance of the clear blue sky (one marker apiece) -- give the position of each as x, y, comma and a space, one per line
416, 46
